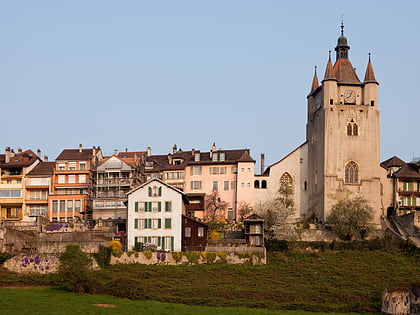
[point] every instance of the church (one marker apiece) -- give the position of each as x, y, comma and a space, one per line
340, 158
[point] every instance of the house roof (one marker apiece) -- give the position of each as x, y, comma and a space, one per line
160, 182
408, 170
267, 170
253, 218
22, 159
129, 161
193, 220
75, 155
185, 158
393, 162
43, 168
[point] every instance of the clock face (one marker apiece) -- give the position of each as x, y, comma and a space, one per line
350, 97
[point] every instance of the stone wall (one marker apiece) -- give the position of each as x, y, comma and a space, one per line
38, 263
161, 258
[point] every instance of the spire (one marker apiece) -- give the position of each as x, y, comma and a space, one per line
315, 83
329, 72
342, 48
370, 75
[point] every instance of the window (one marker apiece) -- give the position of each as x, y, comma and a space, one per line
168, 223
72, 179
10, 193
77, 205
214, 157
286, 181
197, 156
61, 167
168, 206
217, 170
233, 184
264, 184
62, 205
196, 170
200, 232
55, 205
38, 210
196, 185
230, 213
12, 212
82, 179
174, 175
234, 170
72, 166
187, 232
82, 166
61, 179
351, 173
38, 195
215, 185
352, 128
226, 185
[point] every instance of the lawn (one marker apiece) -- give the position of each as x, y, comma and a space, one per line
54, 301
331, 281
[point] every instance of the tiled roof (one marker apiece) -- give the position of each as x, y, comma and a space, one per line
370, 75
22, 159
162, 162
329, 72
408, 170
75, 155
43, 168
393, 162
315, 83
344, 72
2, 158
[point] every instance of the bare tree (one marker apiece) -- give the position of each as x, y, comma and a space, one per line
215, 210
244, 209
277, 213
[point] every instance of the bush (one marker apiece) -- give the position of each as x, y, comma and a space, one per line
147, 254
209, 256
193, 257
74, 269
116, 248
138, 247
222, 256
103, 256
177, 256
277, 245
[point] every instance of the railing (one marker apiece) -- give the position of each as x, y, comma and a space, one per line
114, 181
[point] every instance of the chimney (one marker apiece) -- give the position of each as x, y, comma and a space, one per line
8, 155
174, 149
80, 148
94, 151
149, 151
193, 152
115, 151
262, 163
45, 158
38, 153
213, 147
170, 158
19, 150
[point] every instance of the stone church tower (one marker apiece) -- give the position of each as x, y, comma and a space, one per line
343, 136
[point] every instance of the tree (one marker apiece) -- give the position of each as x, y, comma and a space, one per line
244, 209
350, 218
215, 210
277, 213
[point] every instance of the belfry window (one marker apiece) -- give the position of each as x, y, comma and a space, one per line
351, 173
352, 128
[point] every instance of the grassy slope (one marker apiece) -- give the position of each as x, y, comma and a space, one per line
331, 281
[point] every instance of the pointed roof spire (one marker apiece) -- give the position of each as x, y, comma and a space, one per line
329, 71
370, 75
315, 83
342, 48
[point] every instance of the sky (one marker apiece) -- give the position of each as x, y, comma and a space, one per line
133, 74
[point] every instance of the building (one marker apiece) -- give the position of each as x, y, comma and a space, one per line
155, 211
254, 230
194, 234
112, 179
230, 173
14, 168
334, 164
38, 188
70, 198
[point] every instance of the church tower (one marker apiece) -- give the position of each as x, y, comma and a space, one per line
343, 136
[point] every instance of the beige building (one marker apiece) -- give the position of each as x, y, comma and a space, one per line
340, 158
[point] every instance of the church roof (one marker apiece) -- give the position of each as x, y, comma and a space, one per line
369, 75
329, 72
344, 72
315, 83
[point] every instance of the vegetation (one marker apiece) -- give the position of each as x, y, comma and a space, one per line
277, 213
103, 256
311, 276
53, 301
350, 218
215, 211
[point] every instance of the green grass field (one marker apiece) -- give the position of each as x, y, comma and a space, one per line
332, 281
54, 301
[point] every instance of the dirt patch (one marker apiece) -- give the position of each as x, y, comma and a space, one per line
26, 287
105, 305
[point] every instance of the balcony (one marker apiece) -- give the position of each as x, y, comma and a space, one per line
114, 182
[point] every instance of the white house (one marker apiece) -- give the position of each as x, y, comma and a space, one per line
155, 215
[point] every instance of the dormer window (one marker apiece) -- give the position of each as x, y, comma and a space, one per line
222, 156
197, 157
214, 157
177, 162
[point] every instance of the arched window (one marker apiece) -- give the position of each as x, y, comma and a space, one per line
286, 181
264, 184
351, 173
352, 128
257, 184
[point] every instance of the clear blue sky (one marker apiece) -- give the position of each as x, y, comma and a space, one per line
133, 74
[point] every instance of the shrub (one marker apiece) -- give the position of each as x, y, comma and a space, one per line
209, 256
147, 254
103, 256
74, 269
130, 253
116, 248
222, 256
138, 247
277, 245
193, 257
177, 256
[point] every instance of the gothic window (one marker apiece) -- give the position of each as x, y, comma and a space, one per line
351, 173
352, 128
286, 181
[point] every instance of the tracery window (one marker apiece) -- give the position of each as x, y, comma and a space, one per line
351, 173
286, 181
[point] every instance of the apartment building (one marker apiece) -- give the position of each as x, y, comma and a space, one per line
13, 170
71, 187
230, 173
